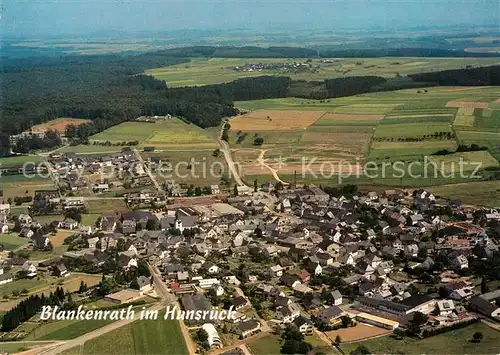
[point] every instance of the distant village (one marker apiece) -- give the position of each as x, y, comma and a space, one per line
310, 258
285, 67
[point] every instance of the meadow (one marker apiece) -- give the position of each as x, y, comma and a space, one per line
455, 342
172, 134
140, 337
205, 71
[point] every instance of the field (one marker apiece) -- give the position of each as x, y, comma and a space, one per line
19, 160
274, 120
172, 134
59, 124
485, 193
105, 205
454, 342
388, 127
19, 346
204, 71
264, 346
359, 332
141, 337
58, 239
19, 185
44, 285
12, 241
469, 161
65, 329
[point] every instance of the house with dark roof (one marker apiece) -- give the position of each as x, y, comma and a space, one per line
331, 315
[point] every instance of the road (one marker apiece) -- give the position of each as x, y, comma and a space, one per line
161, 289
146, 169
170, 299
262, 162
226, 150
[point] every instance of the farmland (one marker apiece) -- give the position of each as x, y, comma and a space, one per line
59, 124
140, 337
172, 134
204, 71
20, 185
455, 342
388, 127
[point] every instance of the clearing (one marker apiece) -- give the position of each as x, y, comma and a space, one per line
59, 124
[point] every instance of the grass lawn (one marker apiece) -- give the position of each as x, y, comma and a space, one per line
12, 241
141, 337
267, 345
91, 148
454, 342
89, 219
102, 206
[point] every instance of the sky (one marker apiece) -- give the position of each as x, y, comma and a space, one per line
35, 18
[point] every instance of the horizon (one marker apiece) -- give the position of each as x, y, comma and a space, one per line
51, 18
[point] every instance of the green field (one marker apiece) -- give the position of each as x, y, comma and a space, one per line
20, 185
141, 337
470, 160
12, 241
19, 160
204, 71
267, 345
65, 330
172, 134
453, 342
16, 347
483, 193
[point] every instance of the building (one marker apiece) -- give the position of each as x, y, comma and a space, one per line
213, 338
330, 316
248, 327
287, 313
124, 296
304, 325
377, 321
144, 284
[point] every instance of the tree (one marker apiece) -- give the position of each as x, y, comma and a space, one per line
484, 285
258, 232
419, 318
338, 340
216, 153
361, 350
258, 141
153, 224
235, 190
82, 288
477, 337
255, 185
201, 335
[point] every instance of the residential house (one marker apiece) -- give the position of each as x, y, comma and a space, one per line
337, 297
287, 313
330, 316
304, 325
30, 269
92, 242
60, 270
144, 284
248, 327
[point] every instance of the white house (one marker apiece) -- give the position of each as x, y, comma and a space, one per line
4, 228
30, 269
337, 297
287, 313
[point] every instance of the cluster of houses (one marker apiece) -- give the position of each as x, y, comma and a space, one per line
311, 259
